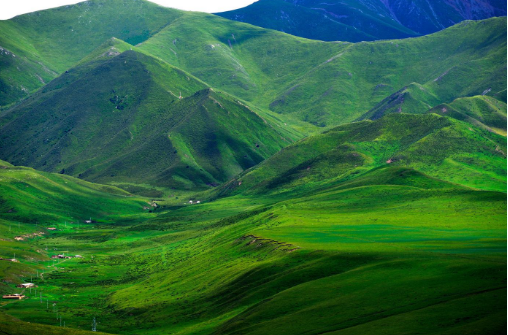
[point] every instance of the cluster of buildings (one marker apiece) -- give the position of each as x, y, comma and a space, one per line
18, 296
62, 256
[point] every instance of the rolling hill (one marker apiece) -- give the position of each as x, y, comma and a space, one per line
328, 84
421, 248
438, 146
128, 117
268, 69
37, 47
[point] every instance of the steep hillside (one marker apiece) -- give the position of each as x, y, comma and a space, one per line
321, 83
333, 83
37, 47
412, 99
482, 111
131, 118
438, 146
429, 16
363, 20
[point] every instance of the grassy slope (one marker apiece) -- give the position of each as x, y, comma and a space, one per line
119, 117
438, 146
482, 111
449, 64
31, 201
47, 43
317, 82
332, 83
427, 250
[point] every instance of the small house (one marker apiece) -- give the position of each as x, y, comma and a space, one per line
78, 256
13, 296
9, 260
26, 285
52, 228
19, 238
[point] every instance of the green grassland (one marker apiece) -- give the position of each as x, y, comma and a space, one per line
47, 43
321, 83
332, 83
393, 248
124, 100
439, 146
248, 217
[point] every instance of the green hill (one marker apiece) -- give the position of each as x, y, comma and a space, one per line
395, 225
31, 201
438, 146
393, 247
333, 83
119, 117
449, 64
482, 111
33, 197
45, 44
321, 83
412, 99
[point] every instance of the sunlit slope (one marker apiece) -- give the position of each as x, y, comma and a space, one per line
34, 197
464, 60
438, 146
418, 246
39, 46
482, 111
132, 118
31, 201
247, 61
332, 83
323, 83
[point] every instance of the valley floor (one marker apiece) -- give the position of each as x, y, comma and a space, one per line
374, 259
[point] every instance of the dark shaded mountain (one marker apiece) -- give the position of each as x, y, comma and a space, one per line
363, 20
129, 117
